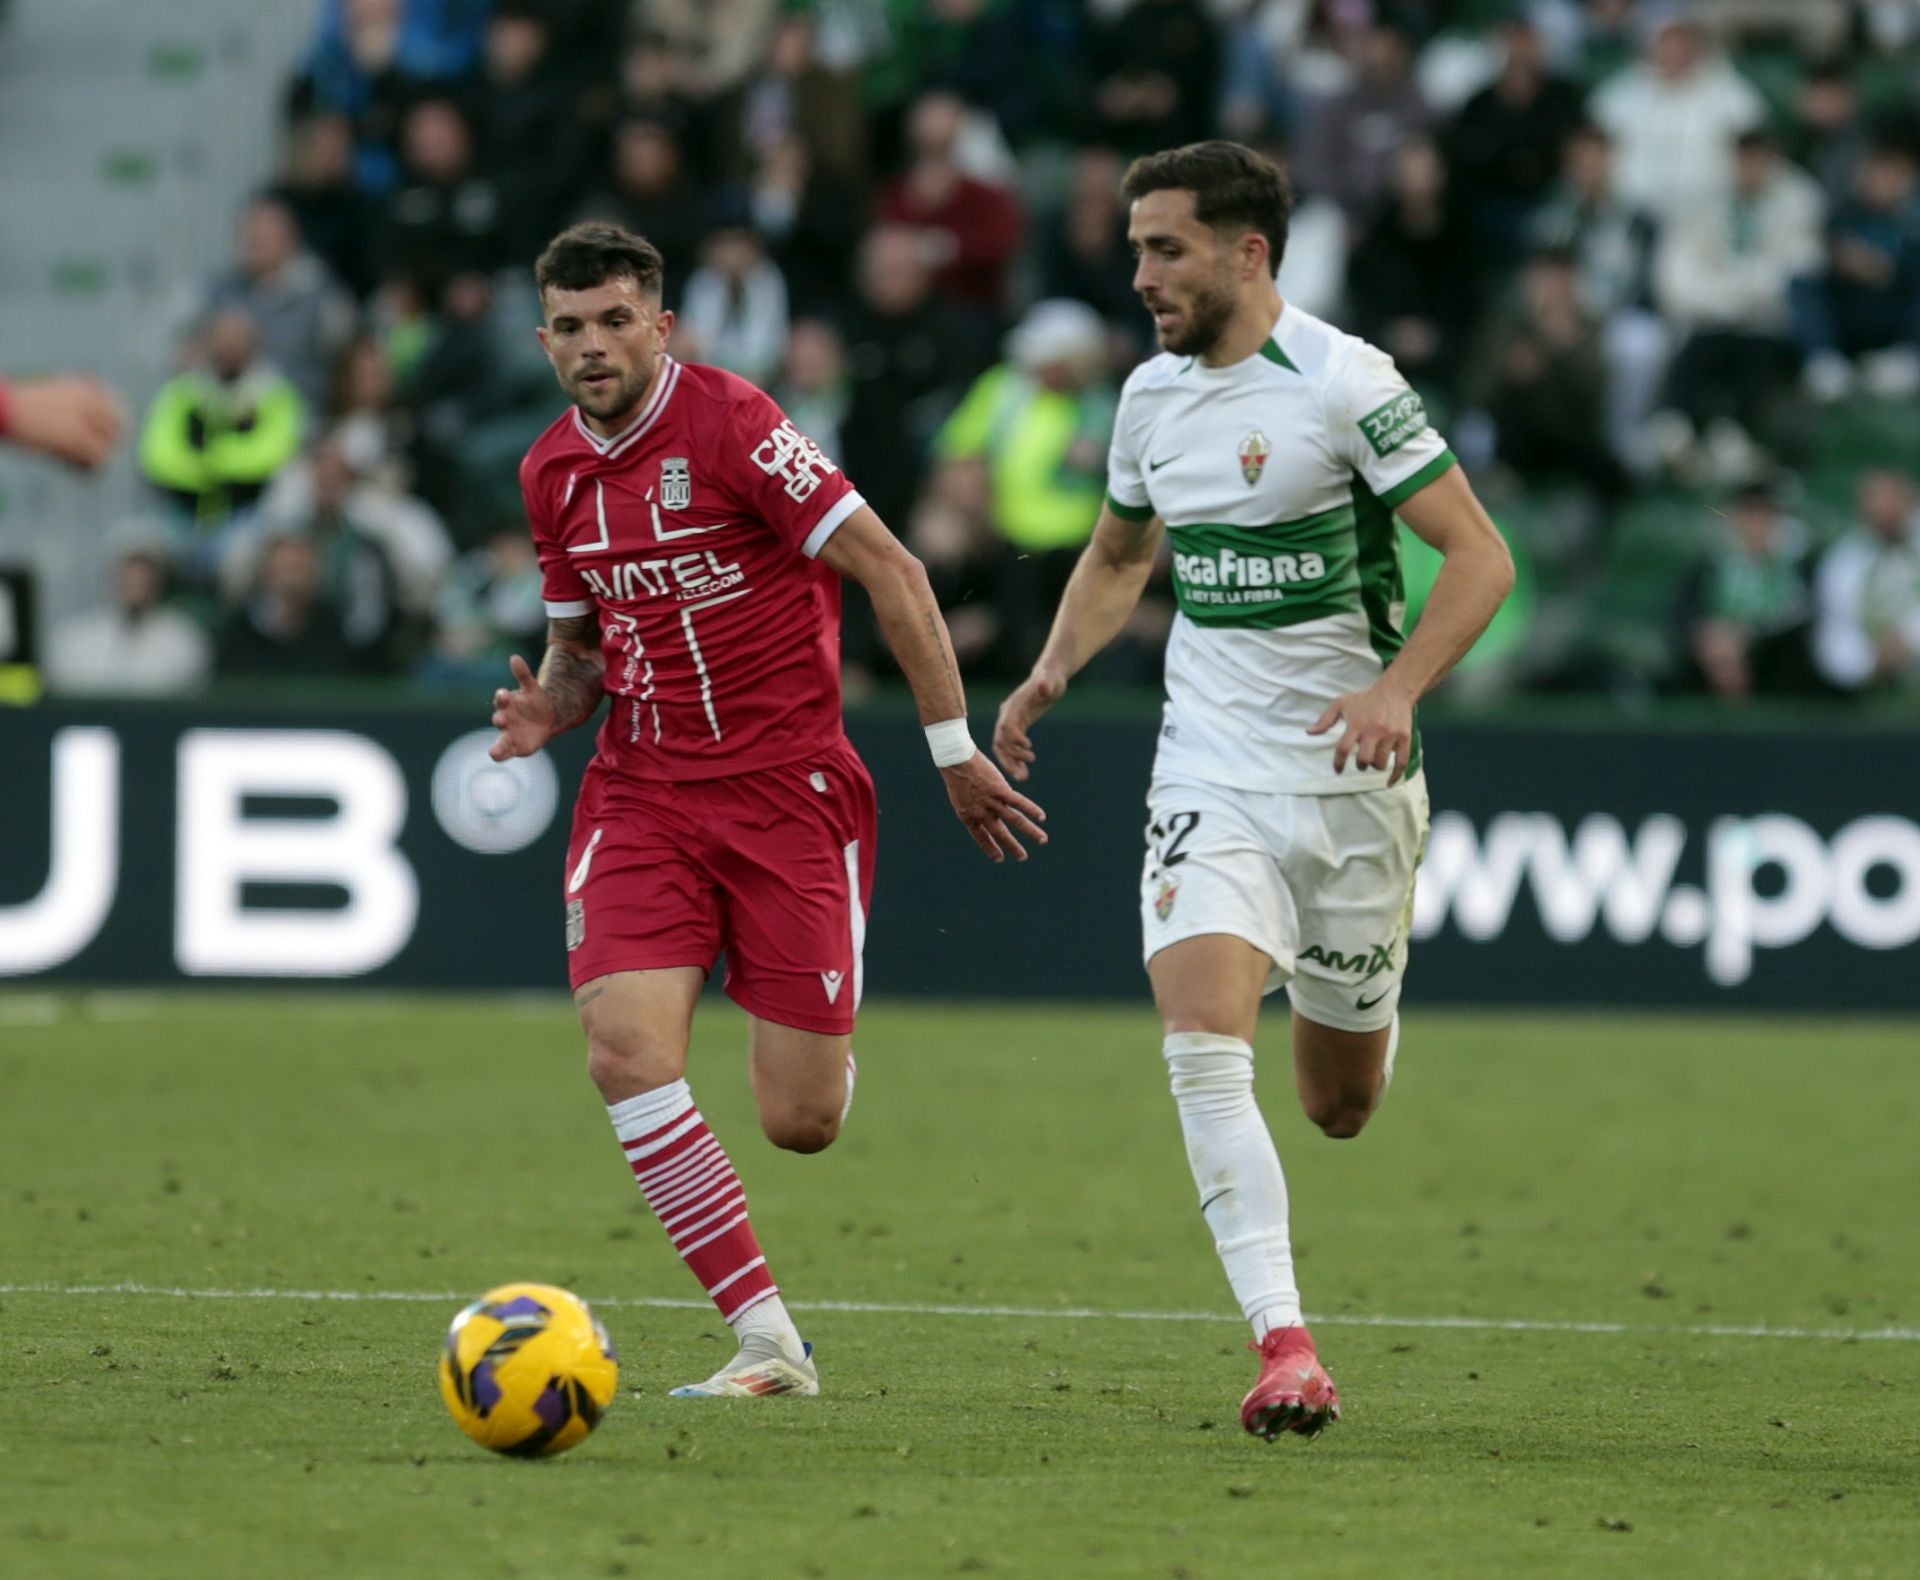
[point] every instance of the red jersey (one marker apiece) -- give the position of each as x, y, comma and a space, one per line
693, 533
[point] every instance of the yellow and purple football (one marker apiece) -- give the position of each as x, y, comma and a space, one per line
528, 1370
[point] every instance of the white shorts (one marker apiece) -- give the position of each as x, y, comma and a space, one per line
1322, 884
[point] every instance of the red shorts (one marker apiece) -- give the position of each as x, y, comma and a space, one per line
774, 867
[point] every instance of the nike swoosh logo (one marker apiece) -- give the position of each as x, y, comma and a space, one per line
1154, 466
1368, 1003
1214, 1198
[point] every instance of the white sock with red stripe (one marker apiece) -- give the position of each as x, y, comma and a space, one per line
690, 1183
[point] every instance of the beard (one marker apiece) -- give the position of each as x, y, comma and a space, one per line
1204, 321
607, 401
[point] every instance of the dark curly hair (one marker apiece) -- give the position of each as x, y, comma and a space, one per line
583, 256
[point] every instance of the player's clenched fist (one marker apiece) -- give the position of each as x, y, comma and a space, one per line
1011, 742
994, 812
526, 718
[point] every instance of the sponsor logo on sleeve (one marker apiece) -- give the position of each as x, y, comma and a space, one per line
1392, 425
796, 460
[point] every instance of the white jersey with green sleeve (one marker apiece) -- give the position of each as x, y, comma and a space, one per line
1277, 479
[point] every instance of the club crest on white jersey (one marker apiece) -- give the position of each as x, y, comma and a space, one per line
1254, 450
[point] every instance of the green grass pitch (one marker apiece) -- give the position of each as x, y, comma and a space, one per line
1671, 1183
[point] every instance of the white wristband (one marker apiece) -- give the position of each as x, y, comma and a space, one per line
950, 743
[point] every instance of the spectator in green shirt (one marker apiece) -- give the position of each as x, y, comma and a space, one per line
1747, 607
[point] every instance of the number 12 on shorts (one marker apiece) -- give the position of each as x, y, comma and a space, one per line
1168, 834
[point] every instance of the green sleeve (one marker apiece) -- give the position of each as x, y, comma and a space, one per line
1407, 487
167, 456
253, 455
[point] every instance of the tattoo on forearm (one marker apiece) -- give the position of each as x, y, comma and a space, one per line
583, 629
576, 684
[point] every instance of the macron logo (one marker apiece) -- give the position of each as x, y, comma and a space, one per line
831, 981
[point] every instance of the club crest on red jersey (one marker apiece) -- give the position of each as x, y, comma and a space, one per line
1254, 450
676, 483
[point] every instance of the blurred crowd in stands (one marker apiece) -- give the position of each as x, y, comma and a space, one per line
1655, 268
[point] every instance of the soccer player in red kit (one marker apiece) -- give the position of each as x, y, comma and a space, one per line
692, 542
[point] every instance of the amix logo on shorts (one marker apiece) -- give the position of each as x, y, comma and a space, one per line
1379, 957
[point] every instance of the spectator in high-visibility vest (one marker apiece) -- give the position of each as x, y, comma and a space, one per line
1041, 421
216, 433
1037, 426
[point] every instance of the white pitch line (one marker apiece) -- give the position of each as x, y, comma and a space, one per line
1705, 1330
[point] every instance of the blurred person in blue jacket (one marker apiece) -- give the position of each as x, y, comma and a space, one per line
1866, 303
371, 58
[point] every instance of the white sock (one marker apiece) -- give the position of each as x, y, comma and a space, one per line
768, 1319
1243, 1193
1393, 1047
634, 1116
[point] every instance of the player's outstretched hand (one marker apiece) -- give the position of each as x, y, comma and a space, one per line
1018, 714
71, 418
526, 719
1379, 729
994, 812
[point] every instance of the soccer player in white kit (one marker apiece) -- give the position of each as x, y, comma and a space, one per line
1288, 807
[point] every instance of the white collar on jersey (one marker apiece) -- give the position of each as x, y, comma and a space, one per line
649, 414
